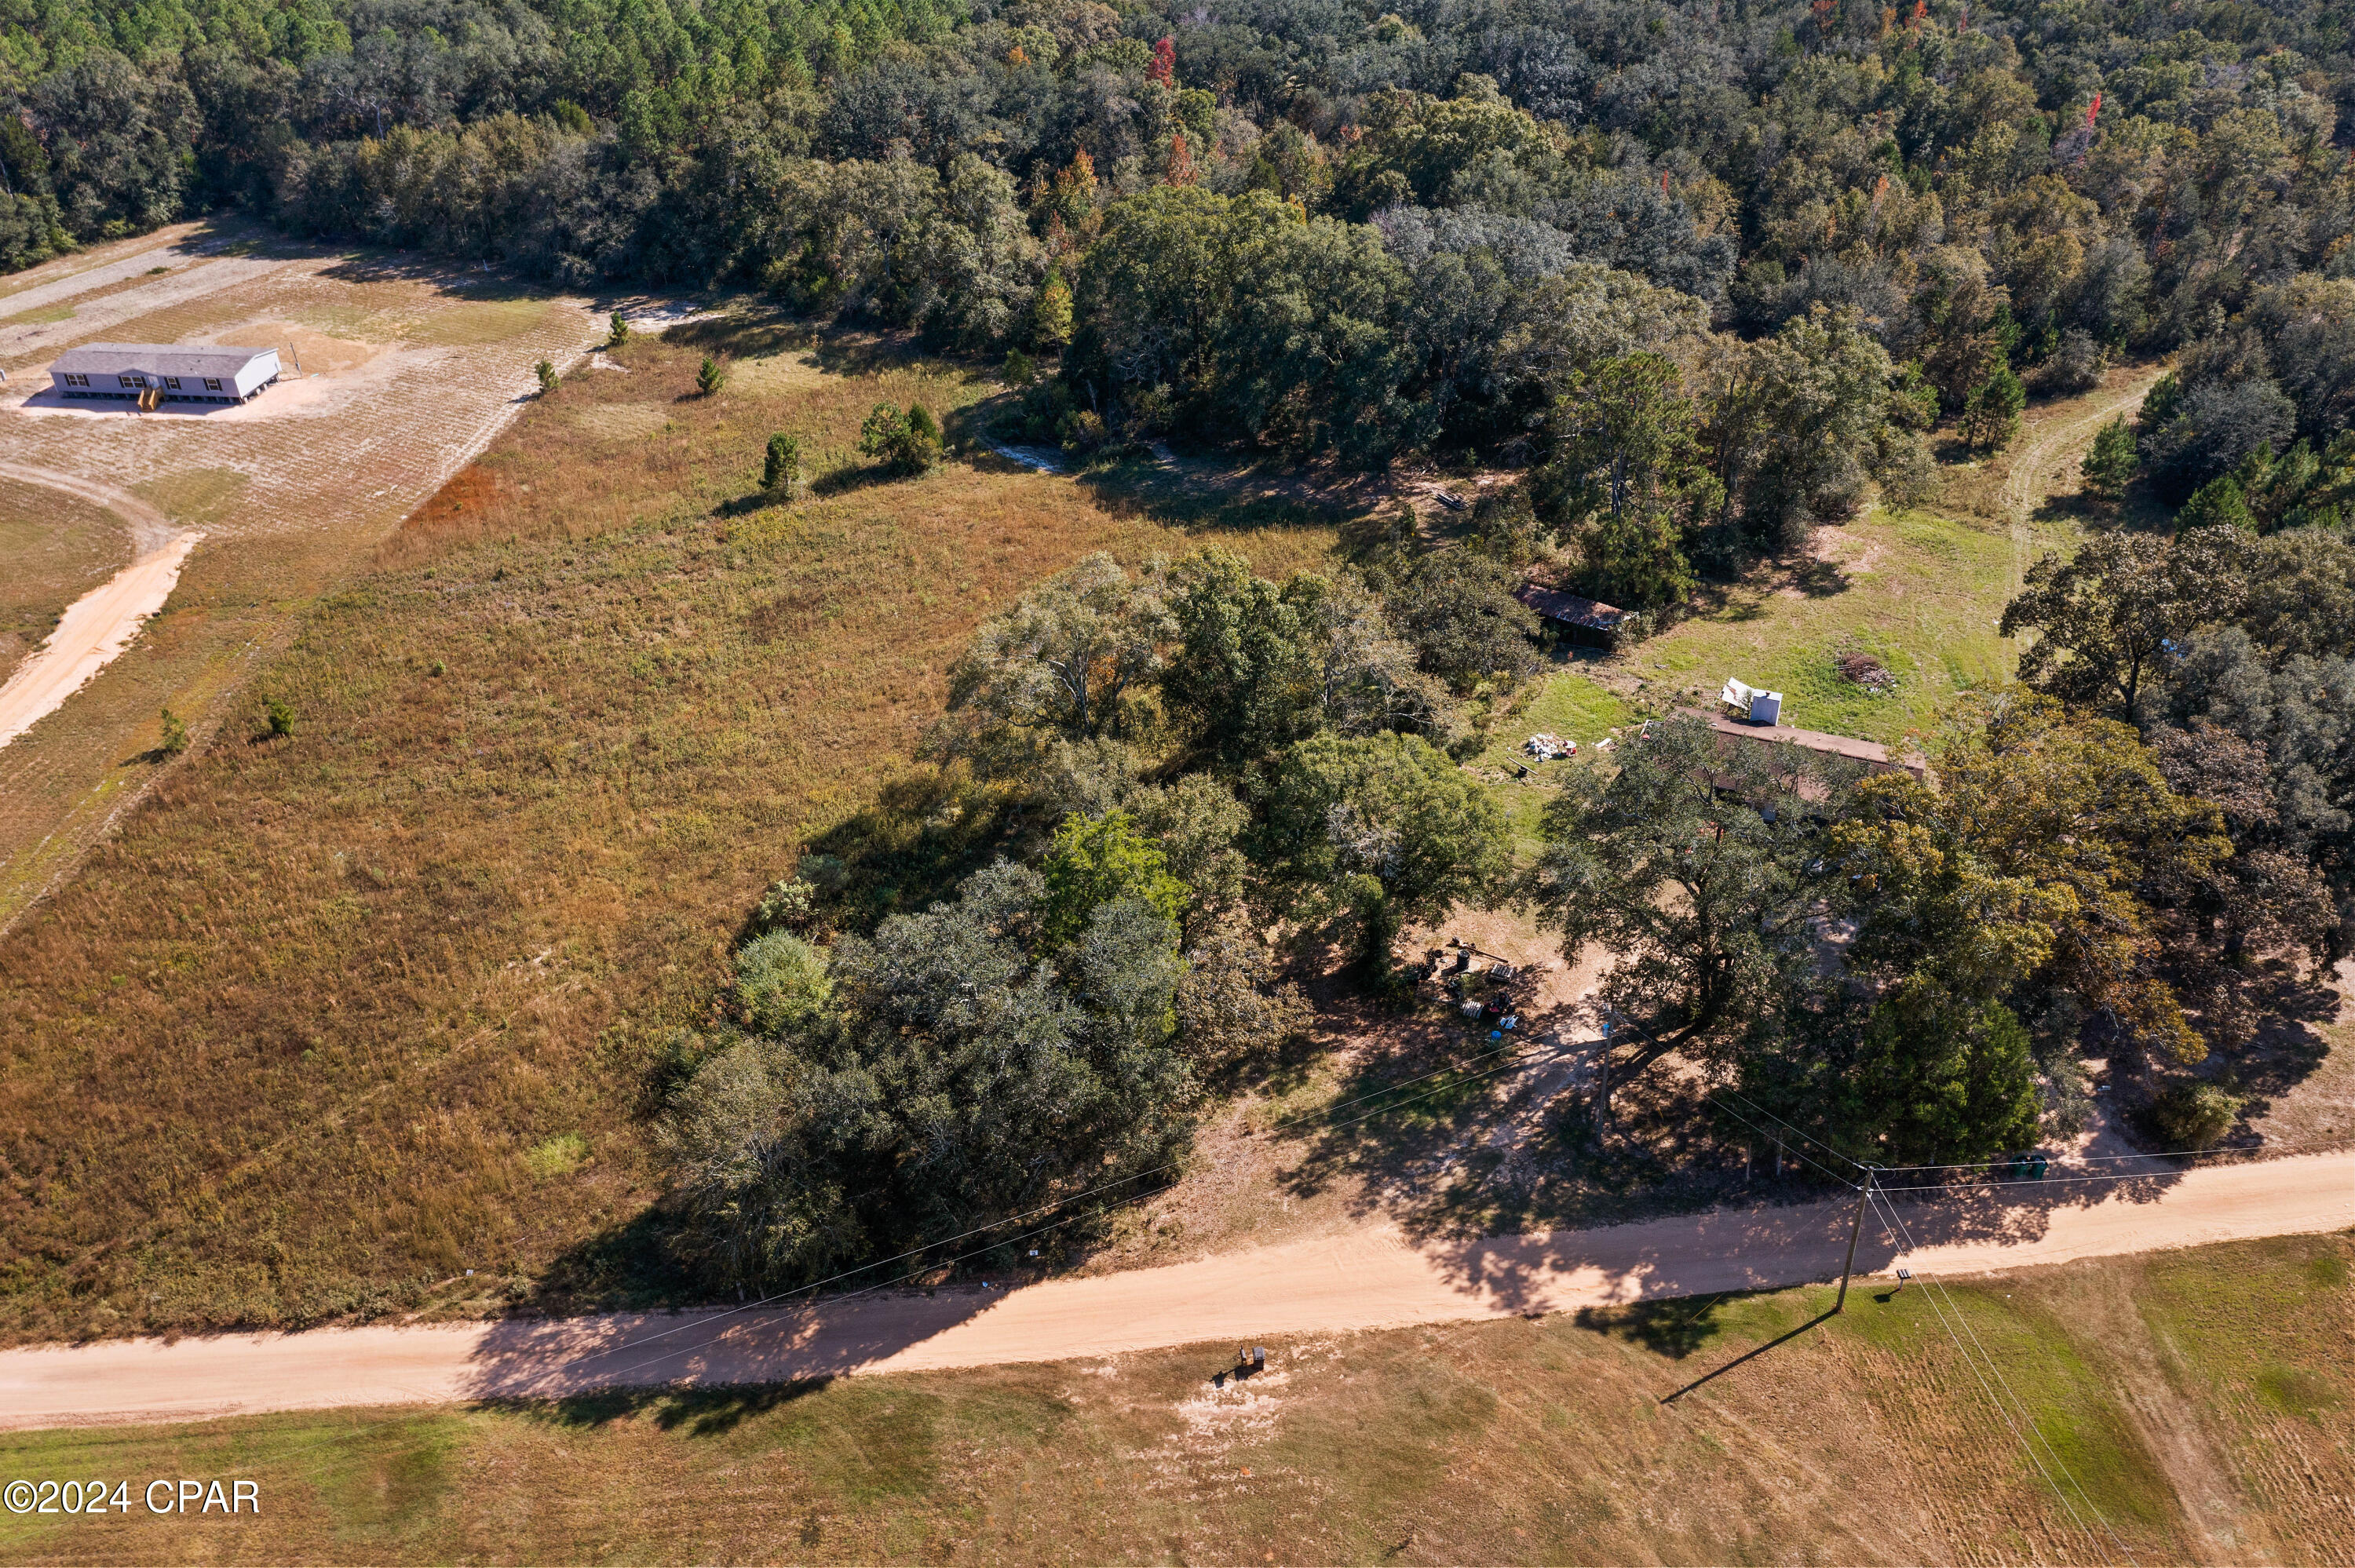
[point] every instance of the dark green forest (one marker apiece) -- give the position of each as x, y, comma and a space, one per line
1303, 226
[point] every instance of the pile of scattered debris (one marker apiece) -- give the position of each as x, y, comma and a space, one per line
1547, 747
1864, 670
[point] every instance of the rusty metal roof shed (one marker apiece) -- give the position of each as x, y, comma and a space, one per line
1570, 607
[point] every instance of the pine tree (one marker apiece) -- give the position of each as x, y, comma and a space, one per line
1991, 419
2219, 503
2109, 466
782, 471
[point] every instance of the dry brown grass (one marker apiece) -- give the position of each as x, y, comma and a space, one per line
281, 1049
2204, 1401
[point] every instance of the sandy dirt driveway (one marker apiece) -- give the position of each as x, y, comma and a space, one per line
1370, 1279
102, 623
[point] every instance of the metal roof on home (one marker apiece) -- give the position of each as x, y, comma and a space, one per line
157, 358
1872, 753
1592, 614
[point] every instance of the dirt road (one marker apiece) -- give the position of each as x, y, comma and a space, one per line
101, 624
1373, 1278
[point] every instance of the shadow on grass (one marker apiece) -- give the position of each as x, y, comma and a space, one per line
856, 477
697, 1411
1199, 495
1820, 580
631, 1267
1823, 1317
1674, 1328
745, 506
450, 274
927, 831
744, 335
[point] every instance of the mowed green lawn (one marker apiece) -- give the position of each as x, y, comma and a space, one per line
1920, 592
2202, 1403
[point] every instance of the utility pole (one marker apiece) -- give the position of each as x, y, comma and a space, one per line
1862, 1193
1602, 1118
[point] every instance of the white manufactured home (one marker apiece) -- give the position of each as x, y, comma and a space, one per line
149, 373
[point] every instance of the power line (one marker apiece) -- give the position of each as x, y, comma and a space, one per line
2035, 1181
1519, 1052
1818, 1142
2158, 1154
1754, 1127
1929, 1284
1798, 1153
2001, 1410
1519, 1048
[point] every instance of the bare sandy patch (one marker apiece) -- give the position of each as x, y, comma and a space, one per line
94, 629
304, 350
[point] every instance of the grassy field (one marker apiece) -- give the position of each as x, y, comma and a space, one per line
339, 1016
2202, 1401
56, 548
1919, 592
1567, 702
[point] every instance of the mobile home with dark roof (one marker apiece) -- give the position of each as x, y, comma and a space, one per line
152, 373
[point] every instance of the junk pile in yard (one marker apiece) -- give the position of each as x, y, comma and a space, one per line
1547, 747
1488, 990
1864, 670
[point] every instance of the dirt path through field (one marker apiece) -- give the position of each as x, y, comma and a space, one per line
101, 624
2051, 448
1375, 1277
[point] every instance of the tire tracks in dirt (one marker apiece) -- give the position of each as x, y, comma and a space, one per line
2056, 439
1375, 1278
96, 628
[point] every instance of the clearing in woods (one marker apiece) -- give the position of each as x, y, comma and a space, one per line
406, 370
1894, 613
340, 1016
2194, 1406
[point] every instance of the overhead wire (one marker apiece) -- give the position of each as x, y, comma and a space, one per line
614, 1379
1957, 1187
1800, 1153
1715, 1091
1056, 1224
1519, 1048
2001, 1410
2155, 1154
1935, 1291
1802, 1132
